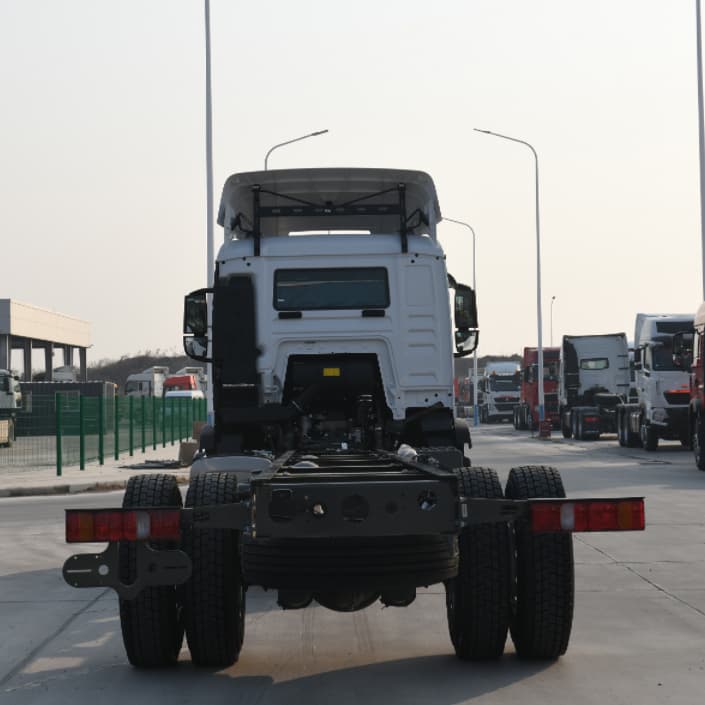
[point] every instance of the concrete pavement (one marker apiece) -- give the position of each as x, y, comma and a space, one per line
112, 475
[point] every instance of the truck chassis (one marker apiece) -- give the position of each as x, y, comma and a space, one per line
344, 528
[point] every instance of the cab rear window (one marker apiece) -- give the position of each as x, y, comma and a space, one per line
594, 363
325, 289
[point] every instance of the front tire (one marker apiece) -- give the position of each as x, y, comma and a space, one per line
152, 631
214, 595
545, 572
699, 443
478, 599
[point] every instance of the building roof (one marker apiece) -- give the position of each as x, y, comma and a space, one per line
28, 321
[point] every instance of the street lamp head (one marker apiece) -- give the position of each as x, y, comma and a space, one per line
320, 132
477, 129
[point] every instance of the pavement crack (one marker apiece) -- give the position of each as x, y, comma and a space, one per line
28, 658
635, 572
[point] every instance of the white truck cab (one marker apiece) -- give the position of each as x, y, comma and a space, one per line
331, 284
662, 388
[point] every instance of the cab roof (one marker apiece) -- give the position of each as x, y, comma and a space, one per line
279, 202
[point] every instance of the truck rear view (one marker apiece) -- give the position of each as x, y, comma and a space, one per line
594, 380
335, 470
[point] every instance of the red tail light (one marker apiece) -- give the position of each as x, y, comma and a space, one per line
587, 515
100, 525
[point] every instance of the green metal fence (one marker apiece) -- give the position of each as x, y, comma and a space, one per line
67, 428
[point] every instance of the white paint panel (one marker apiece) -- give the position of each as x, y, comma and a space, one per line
17, 318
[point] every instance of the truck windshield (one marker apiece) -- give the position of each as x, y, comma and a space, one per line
663, 358
504, 384
340, 288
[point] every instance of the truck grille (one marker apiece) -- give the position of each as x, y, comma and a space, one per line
551, 403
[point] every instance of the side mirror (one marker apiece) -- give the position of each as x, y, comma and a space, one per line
637, 358
465, 318
196, 324
465, 307
466, 342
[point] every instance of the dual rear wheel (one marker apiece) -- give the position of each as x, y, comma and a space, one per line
510, 579
210, 607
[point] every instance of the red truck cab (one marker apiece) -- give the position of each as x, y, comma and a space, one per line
176, 383
526, 413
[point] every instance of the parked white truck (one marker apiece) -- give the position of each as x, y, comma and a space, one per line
594, 380
10, 402
149, 383
499, 391
335, 470
662, 388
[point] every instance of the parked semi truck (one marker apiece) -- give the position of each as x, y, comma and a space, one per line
688, 349
335, 470
526, 413
662, 387
498, 391
594, 380
10, 402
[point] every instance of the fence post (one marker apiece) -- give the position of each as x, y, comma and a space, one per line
172, 420
81, 432
131, 415
143, 424
59, 429
154, 423
101, 430
116, 450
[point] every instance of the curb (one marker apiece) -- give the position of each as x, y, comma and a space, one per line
73, 488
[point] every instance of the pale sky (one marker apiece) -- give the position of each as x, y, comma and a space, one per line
102, 147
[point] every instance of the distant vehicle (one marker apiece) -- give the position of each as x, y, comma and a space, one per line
186, 378
662, 388
66, 373
526, 413
498, 391
10, 401
594, 380
149, 383
689, 354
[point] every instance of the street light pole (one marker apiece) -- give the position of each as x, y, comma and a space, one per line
701, 136
475, 414
553, 298
538, 265
296, 139
210, 243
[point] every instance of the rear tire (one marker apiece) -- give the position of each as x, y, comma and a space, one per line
649, 437
543, 618
621, 429
478, 599
565, 427
214, 595
152, 630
